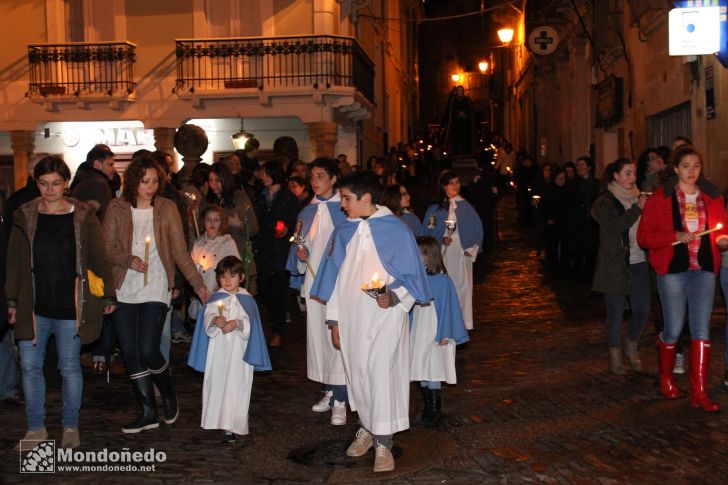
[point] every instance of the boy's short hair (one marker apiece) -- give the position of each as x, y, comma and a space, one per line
329, 165
361, 183
229, 264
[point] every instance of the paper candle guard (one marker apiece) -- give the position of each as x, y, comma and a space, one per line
375, 288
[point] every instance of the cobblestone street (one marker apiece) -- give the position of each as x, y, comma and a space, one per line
534, 402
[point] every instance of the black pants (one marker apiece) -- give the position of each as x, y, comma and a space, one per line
138, 328
273, 288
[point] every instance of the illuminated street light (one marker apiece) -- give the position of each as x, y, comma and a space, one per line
505, 35
483, 66
456, 78
241, 138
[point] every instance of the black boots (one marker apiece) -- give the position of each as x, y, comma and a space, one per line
144, 391
164, 383
426, 404
432, 412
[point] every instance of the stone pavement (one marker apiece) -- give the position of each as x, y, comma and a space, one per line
533, 403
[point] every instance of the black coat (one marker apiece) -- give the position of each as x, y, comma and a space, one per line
271, 252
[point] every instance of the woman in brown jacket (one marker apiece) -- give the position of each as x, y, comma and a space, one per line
144, 240
55, 244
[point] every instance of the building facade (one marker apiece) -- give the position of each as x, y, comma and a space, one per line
609, 87
336, 75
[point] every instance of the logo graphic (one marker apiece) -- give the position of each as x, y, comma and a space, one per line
40, 459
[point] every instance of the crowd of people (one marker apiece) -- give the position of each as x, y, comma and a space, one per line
131, 264
135, 264
654, 226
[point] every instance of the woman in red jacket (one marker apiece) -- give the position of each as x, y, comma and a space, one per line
686, 265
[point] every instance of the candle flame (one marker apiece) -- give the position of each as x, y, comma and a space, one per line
375, 277
148, 240
719, 226
219, 303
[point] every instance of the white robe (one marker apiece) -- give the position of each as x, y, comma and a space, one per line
228, 380
430, 361
374, 342
206, 253
323, 360
460, 267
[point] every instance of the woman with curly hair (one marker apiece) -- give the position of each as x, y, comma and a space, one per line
144, 241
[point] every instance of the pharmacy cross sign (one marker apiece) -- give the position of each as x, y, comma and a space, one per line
543, 40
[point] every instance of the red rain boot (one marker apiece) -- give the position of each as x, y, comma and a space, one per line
667, 361
699, 358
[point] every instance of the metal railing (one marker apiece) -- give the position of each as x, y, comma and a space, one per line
78, 69
261, 63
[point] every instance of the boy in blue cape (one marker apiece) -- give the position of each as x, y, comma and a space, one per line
227, 346
373, 250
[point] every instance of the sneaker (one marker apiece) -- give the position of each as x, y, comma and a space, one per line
679, 364
361, 444
229, 437
338, 415
324, 404
383, 459
31, 439
71, 439
181, 337
301, 304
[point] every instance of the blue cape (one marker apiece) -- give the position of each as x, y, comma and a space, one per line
397, 251
450, 323
413, 223
256, 353
306, 217
469, 226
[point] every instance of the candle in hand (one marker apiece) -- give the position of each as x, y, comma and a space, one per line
219, 308
147, 241
717, 227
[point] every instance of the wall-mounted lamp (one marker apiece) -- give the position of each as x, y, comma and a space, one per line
483, 66
457, 77
505, 35
241, 138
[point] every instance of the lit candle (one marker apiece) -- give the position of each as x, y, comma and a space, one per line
147, 242
717, 227
280, 226
219, 308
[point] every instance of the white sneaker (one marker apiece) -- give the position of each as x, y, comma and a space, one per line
679, 364
383, 459
338, 415
361, 444
324, 404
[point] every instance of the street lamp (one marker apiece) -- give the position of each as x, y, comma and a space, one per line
505, 35
483, 66
241, 138
456, 77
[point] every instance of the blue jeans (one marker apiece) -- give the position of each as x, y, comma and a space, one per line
7, 366
696, 289
32, 358
338, 393
138, 328
431, 384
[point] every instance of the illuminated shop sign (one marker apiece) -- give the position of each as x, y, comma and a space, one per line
695, 30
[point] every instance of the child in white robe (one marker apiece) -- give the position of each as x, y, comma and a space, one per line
211, 247
372, 331
436, 329
231, 325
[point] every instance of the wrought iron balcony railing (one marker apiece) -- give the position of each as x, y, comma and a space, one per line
273, 62
80, 69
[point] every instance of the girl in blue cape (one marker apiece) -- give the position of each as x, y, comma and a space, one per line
227, 346
460, 243
436, 329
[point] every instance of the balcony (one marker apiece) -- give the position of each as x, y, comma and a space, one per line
236, 66
81, 72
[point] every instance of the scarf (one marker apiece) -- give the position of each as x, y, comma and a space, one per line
628, 197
